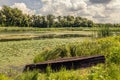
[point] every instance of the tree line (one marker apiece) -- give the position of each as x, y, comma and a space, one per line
14, 17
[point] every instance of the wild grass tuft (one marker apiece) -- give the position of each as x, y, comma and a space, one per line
109, 47
104, 32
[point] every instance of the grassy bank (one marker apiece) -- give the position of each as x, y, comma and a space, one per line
99, 72
23, 29
30, 29
109, 47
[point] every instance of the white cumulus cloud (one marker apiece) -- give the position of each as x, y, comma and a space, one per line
23, 8
62, 7
105, 11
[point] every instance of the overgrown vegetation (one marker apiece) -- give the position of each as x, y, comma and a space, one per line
109, 47
108, 71
104, 32
105, 46
22, 52
99, 72
15, 54
4, 77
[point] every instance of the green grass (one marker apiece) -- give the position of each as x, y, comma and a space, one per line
30, 29
109, 47
16, 54
4, 77
104, 32
99, 72
24, 29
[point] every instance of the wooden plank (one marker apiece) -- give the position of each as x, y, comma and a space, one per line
68, 63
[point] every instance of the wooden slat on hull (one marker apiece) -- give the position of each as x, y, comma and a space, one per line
68, 63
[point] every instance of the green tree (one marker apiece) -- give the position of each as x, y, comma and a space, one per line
50, 20
14, 17
2, 19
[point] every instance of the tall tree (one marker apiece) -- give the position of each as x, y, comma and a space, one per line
50, 20
2, 18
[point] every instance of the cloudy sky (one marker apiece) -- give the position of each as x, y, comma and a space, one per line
105, 11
